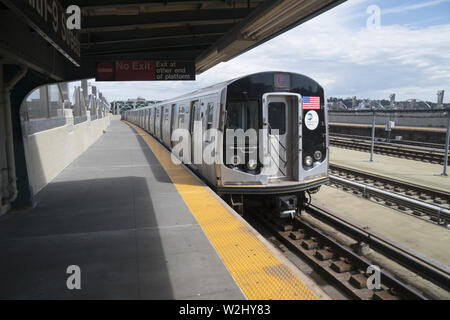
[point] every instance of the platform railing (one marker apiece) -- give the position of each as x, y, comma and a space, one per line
49, 106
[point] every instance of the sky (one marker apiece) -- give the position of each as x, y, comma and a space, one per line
345, 50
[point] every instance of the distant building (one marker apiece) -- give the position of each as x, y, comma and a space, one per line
121, 105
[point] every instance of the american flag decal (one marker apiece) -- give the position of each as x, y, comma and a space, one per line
311, 103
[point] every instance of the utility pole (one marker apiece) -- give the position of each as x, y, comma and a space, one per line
447, 142
440, 99
372, 146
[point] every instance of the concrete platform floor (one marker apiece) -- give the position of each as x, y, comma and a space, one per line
417, 172
427, 238
114, 213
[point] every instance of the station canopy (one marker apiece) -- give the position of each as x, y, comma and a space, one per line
203, 32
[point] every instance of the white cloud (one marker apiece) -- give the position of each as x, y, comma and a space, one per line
417, 6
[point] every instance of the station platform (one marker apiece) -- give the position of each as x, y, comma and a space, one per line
416, 172
138, 227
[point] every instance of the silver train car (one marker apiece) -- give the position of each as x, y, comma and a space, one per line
287, 110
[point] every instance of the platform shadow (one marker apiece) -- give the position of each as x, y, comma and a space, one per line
105, 226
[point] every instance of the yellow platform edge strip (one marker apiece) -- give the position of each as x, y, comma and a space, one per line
257, 271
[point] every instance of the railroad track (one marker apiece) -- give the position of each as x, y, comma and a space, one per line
426, 203
346, 267
399, 143
430, 155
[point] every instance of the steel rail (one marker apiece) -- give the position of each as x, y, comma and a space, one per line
392, 142
437, 211
364, 264
407, 186
384, 145
425, 154
340, 250
427, 267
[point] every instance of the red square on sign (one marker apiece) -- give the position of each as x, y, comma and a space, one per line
105, 71
135, 70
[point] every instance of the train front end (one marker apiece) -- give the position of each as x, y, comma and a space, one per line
275, 141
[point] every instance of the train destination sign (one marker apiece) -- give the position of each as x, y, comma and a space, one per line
145, 70
49, 19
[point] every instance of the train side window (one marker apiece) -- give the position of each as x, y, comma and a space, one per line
195, 114
166, 114
180, 116
172, 116
277, 116
210, 116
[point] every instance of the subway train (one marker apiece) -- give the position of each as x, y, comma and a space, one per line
257, 140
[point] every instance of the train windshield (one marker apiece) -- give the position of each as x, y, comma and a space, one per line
243, 115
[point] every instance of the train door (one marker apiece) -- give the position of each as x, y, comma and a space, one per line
161, 122
173, 122
158, 122
167, 125
182, 122
194, 122
144, 113
146, 119
149, 119
280, 112
152, 121
208, 116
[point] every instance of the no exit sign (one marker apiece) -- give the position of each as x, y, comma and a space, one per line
145, 70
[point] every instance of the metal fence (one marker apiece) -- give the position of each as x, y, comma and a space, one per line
438, 118
407, 118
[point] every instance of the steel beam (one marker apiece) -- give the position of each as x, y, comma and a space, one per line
153, 45
150, 20
119, 37
131, 7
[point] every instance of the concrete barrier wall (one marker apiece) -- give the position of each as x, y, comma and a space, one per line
49, 152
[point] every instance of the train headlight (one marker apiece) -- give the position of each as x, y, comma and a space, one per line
308, 161
318, 155
252, 164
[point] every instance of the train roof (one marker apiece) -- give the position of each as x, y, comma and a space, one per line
217, 87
